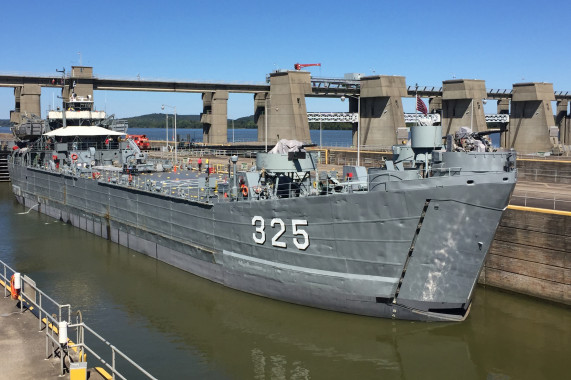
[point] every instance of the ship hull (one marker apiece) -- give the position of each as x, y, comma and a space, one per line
413, 251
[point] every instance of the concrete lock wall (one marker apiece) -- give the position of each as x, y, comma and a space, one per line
462, 105
381, 111
530, 118
214, 117
531, 254
287, 112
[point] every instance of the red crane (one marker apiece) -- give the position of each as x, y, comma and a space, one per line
298, 66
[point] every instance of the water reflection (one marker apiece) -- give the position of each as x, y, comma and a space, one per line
180, 326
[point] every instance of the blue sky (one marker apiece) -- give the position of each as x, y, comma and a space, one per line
501, 42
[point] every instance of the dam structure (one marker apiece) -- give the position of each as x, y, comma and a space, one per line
523, 112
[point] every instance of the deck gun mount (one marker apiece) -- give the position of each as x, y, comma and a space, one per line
416, 157
466, 152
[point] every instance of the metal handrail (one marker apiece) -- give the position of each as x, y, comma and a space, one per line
82, 327
40, 306
555, 201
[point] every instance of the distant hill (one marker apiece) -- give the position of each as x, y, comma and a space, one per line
157, 120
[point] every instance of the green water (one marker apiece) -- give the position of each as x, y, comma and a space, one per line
178, 326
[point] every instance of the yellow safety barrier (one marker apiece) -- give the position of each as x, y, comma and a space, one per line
103, 373
541, 210
538, 160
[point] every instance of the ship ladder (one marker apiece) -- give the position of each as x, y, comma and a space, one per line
410, 251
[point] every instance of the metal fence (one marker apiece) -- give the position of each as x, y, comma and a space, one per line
549, 203
543, 175
50, 313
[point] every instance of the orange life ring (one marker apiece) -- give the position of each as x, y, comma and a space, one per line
13, 291
130, 178
73, 156
244, 190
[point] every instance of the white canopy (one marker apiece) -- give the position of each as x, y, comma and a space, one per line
83, 131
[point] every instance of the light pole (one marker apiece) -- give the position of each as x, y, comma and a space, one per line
167, 130
266, 119
175, 137
320, 144
358, 126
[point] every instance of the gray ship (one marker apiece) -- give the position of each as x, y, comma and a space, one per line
406, 240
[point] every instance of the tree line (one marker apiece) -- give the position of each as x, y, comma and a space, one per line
157, 120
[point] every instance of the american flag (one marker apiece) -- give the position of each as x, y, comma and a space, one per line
420, 106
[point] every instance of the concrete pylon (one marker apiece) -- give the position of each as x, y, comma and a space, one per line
80, 80
287, 115
214, 117
435, 104
531, 117
562, 121
30, 100
381, 110
503, 106
462, 105
261, 100
15, 117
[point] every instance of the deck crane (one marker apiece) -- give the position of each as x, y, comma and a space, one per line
298, 66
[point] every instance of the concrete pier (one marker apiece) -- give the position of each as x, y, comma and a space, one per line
503, 106
462, 105
562, 121
80, 80
530, 118
287, 113
260, 113
27, 102
214, 116
435, 104
381, 111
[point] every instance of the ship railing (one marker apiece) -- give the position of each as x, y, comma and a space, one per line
448, 172
50, 313
76, 146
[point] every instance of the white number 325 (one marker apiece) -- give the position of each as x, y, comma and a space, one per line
300, 239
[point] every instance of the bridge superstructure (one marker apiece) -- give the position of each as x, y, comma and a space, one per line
375, 104
353, 117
